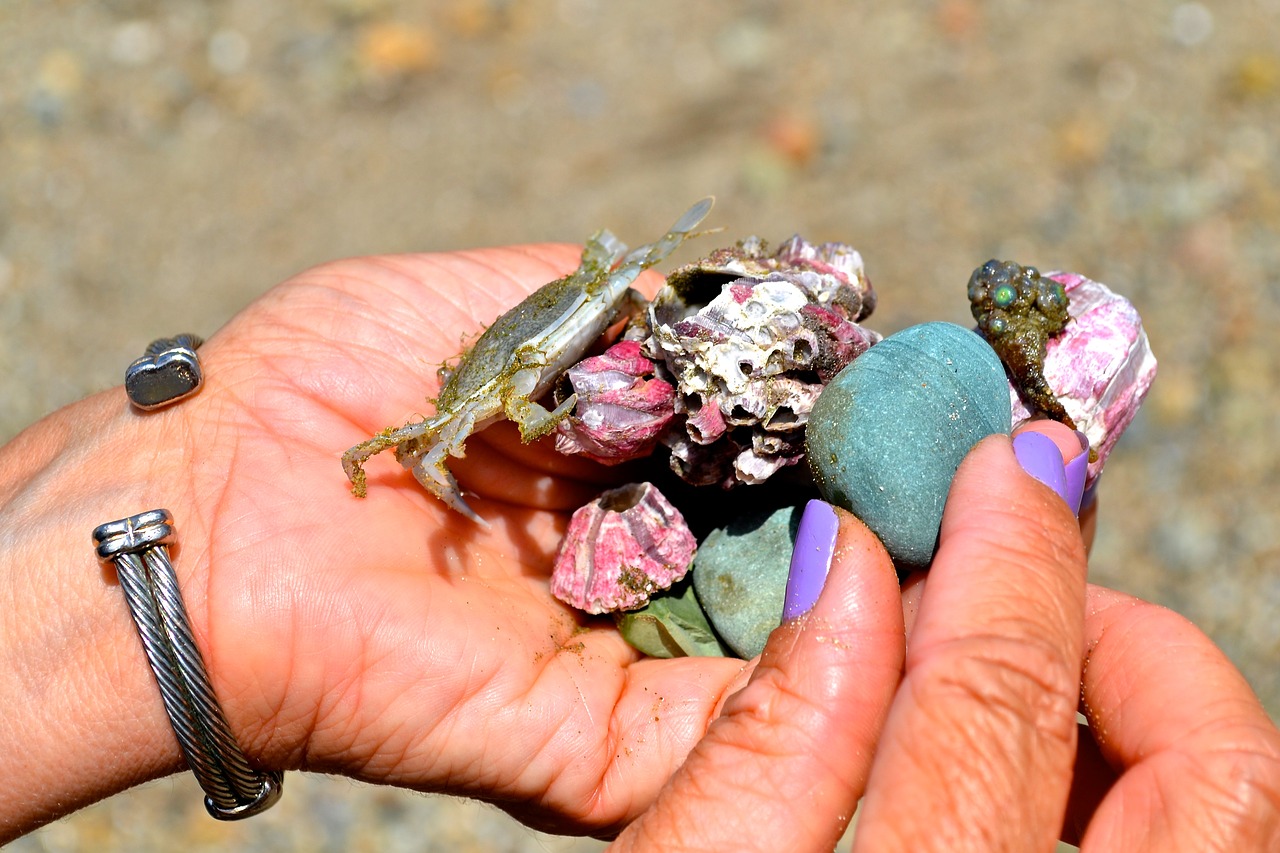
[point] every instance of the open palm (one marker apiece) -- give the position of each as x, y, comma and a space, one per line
390, 638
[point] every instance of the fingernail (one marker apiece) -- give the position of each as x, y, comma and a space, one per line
1077, 471
1091, 494
811, 558
1040, 457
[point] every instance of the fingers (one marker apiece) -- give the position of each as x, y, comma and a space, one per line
979, 743
1075, 458
784, 765
1071, 446
1074, 449
1199, 760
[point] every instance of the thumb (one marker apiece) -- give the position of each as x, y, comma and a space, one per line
784, 765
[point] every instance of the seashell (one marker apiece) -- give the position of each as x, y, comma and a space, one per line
1100, 367
622, 406
886, 436
701, 464
839, 265
620, 549
749, 339
740, 576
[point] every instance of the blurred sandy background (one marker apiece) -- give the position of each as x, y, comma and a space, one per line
162, 164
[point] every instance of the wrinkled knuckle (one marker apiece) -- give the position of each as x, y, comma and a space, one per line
1249, 794
1006, 684
772, 699
1034, 540
776, 711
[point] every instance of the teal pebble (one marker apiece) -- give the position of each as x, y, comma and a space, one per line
886, 436
740, 576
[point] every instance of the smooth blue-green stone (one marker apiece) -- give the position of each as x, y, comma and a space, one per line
740, 576
886, 436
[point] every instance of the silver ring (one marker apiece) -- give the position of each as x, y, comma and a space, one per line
169, 372
138, 546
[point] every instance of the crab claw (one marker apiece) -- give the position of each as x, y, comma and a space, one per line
430, 469
439, 480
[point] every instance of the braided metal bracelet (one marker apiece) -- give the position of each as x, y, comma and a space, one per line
138, 547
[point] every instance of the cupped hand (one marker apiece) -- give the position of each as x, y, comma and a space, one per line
389, 638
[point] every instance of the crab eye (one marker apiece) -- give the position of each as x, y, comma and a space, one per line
997, 325
1004, 295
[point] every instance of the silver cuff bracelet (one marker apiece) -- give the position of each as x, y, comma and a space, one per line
137, 545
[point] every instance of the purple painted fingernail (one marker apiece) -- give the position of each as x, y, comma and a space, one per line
1077, 470
1040, 457
1090, 494
811, 558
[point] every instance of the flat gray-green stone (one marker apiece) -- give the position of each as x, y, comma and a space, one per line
740, 576
671, 625
886, 435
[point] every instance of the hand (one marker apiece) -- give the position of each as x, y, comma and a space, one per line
978, 748
389, 638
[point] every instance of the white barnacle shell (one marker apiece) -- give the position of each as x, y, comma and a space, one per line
749, 339
749, 332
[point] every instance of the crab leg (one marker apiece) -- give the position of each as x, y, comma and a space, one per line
647, 256
430, 469
533, 420
517, 359
353, 460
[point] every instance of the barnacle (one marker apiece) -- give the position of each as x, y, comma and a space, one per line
749, 339
1017, 311
622, 407
620, 549
1099, 367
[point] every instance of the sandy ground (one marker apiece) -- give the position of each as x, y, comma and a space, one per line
161, 165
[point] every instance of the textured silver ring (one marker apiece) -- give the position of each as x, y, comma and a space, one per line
138, 546
168, 372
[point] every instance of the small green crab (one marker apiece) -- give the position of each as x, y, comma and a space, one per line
1018, 310
518, 359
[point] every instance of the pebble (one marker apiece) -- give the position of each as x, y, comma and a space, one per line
228, 52
887, 434
740, 576
392, 49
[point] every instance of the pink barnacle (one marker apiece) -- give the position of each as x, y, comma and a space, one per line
620, 549
1100, 366
840, 340
622, 406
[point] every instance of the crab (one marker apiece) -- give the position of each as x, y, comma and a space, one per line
518, 359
